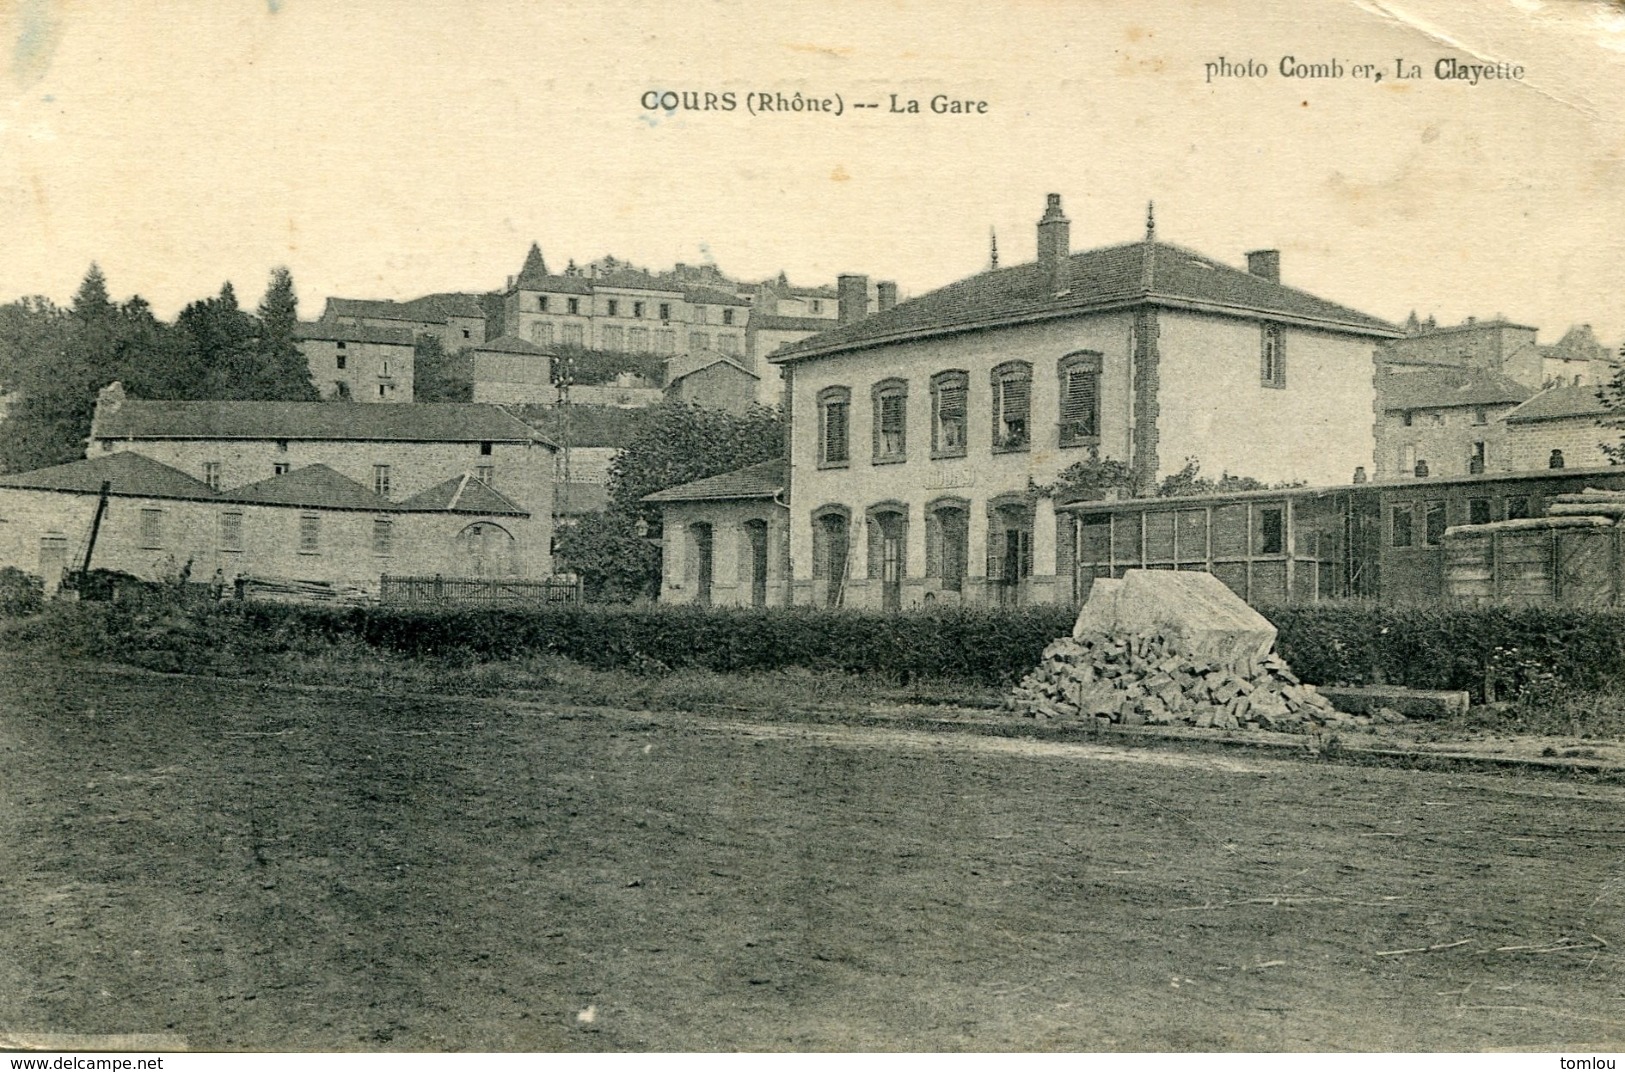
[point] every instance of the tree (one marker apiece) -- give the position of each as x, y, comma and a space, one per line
1612, 395
281, 373
438, 376
616, 564
675, 443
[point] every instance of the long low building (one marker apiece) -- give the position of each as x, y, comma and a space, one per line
309, 524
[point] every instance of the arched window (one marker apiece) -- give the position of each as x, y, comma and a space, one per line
1012, 406
831, 541
947, 541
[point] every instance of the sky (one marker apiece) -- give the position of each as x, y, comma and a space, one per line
386, 149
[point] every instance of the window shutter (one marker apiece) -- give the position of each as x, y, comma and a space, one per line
819, 550
995, 550
1080, 407
1065, 533
891, 420
933, 546
1017, 397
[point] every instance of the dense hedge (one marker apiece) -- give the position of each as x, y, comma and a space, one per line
1500, 652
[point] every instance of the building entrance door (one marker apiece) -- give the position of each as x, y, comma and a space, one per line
703, 563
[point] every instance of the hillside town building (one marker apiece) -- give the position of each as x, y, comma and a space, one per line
358, 362
456, 319
1444, 420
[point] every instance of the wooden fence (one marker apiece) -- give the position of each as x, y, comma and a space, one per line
485, 590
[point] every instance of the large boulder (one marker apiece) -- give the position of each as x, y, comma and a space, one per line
1196, 608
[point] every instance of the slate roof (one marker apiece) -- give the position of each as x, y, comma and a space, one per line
1557, 403
513, 344
453, 303
464, 494
761, 481
1439, 388
129, 473
1137, 273
406, 422
327, 332
314, 486
554, 284
585, 425
629, 279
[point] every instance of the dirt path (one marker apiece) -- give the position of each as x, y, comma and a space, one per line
265, 869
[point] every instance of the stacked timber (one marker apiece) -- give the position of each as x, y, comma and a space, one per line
1592, 502
1135, 678
284, 590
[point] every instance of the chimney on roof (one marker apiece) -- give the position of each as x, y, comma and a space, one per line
1265, 264
852, 298
885, 294
1055, 241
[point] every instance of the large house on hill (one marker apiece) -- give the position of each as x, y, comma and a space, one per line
924, 438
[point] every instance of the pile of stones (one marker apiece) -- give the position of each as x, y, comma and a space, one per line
1138, 678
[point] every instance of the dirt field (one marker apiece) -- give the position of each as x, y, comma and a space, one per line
257, 868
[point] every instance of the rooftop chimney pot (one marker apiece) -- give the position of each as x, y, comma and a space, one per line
885, 295
852, 298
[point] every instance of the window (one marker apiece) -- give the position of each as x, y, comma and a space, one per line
948, 414
890, 399
152, 528
665, 310
1407, 418
1478, 511
384, 369
340, 361
465, 333
817, 306
638, 339
665, 342
614, 307
380, 480
383, 390
728, 344
282, 446
1433, 529
728, 316
1437, 418
833, 406
485, 448
699, 340
1272, 365
1517, 506
541, 334
1479, 458
310, 534
541, 304
486, 474
383, 536
1271, 535
1400, 525
637, 309
1012, 406
340, 345
699, 314
574, 335
211, 475
279, 468
614, 338
573, 306
1481, 415
231, 531
1080, 400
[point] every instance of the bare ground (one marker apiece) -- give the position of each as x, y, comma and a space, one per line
254, 867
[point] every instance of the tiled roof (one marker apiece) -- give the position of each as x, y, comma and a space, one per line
513, 344
584, 425
315, 486
129, 474
814, 292
1557, 403
327, 332
761, 481
554, 284
711, 296
464, 494
1112, 277
629, 279
1436, 388
577, 497
761, 322
429, 309
728, 362
407, 422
